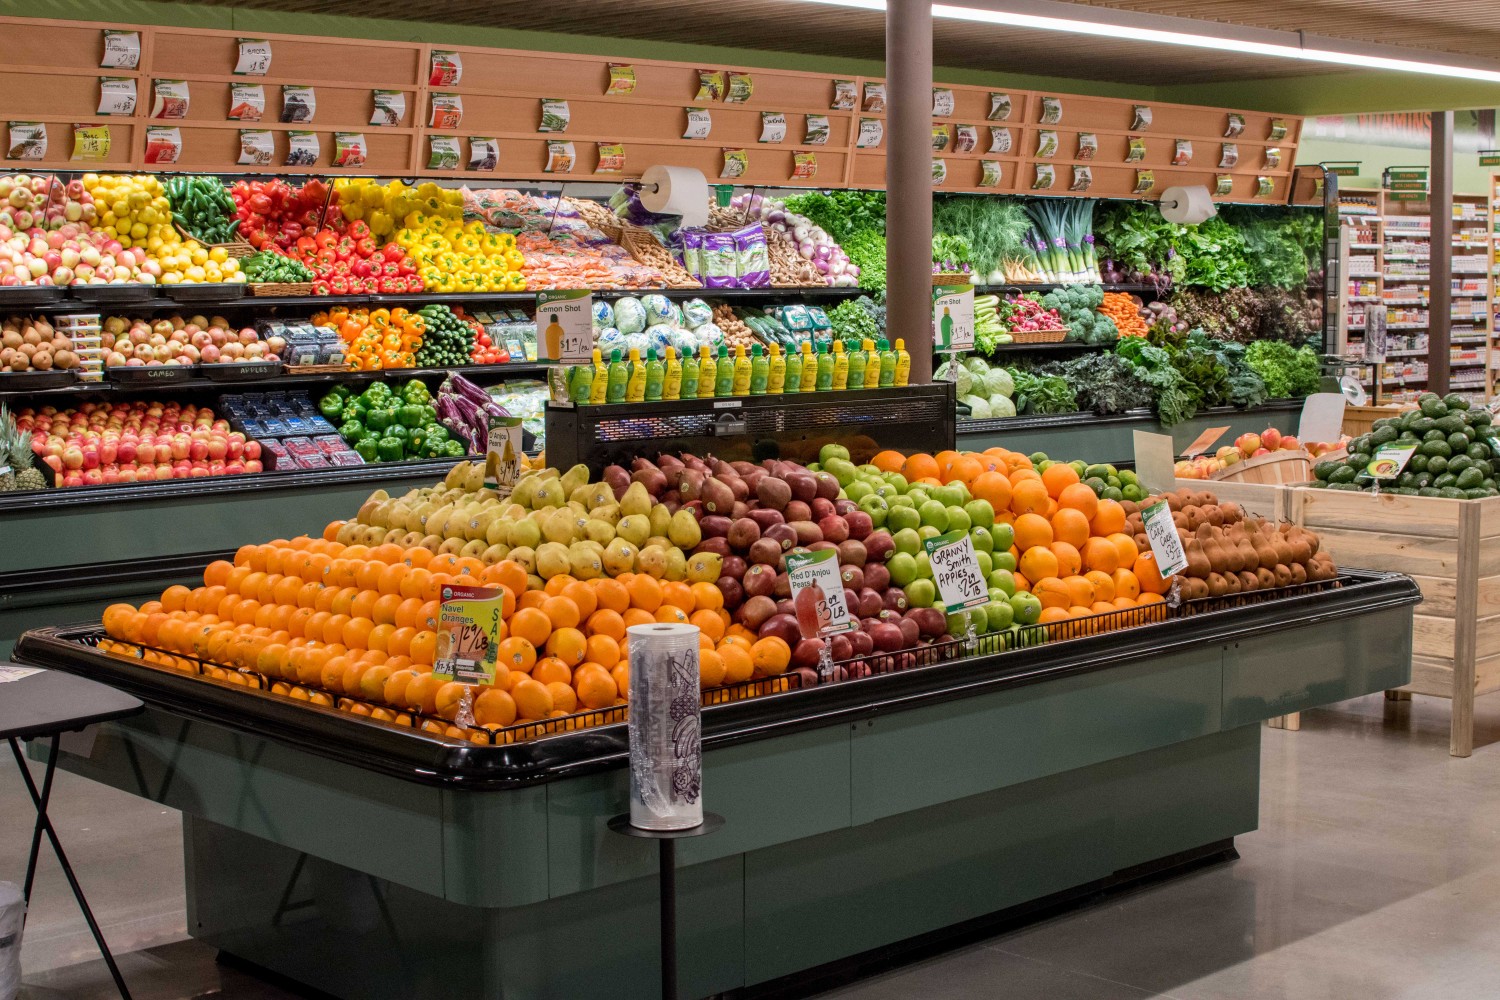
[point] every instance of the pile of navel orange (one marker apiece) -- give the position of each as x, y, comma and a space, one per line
355, 627
1069, 547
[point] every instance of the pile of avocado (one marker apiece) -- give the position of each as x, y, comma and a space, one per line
1455, 457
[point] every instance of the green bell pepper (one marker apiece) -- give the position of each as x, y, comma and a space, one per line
415, 391
380, 420
341, 391
454, 449
390, 450
331, 406
412, 415
368, 448
396, 432
435, 432
351, 430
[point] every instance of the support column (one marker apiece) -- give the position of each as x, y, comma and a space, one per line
908, 180
1440, 262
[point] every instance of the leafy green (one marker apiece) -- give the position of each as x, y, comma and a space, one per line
1104, 383
1154, 364
1287, 371
842, 213
994, 227
951, 253
1041, 393
852, 322
866, 249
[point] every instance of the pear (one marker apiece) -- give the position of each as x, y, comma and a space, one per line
683, 530
488, 515
524, 557
660, 541
549, 493
585, 562
652, 560
534, 582
456, 475
705, 567
416, 517
451, 545
660, 518
407, 539
598, 495
677, 564
370, 534
498, 532
486, 495
636, 500
437, 520
400, 514
367, 510
346, 533
474, 481
494, 554
474, 548
599, 531
575, 477
560, 526
381, 516
431, 543
619, 557
634, 528
514, 511
526, 532
607, 512
525, 491
580, 495
553, 559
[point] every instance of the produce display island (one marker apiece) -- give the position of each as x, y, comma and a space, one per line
367, 860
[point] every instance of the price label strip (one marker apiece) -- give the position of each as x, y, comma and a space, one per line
955, 570
1388, 461
566, 318
1166, 544
818, 594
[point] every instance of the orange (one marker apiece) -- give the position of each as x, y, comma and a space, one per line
1121, 603
709, 624
417, 556
1069, 525
408, 611
994, 487
1080, 498
583, 597
1069, 562
645, 593
343, 601
612, 595
175, 598
1028, 496
739, 663
635, 616
307, 594
1147, 576
919, 466
945, 460
341, 573
494, 707
671, 614
331, 677
379, 637
1149, 598
1038, 563
407, 582
554, 586
507, 573
390, 578
1102, 607
427, 617
561, 612
445, 562
596, 688
711, 669
1103, 584
394, 691
363, 605
1052, 614
516, 653
1080, 591
533, 700
1032, 530
470, 566
889, 461
367, 574
423, 648
1052, 592
678, 594
1100, 554
1126, 585
421, 693
448, 698
707, 597
568, 645
549, 669
387, 552
621, 676
1058, 478
216, 572
531, 598
606, 622
385, 608
1108, 519
965, 469
564, 698
1125, 547
603, 650
771, 656
531, 624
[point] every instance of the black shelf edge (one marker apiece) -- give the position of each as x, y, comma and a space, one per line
1135, 287
1029, 422
285, 380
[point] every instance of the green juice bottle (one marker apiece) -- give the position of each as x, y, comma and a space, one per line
872, 365
791, 381
580, 383
840, 367
724, 373
619, 379
809, 368
599, 389
708, 371
689, 377
672, 386
776, 372
857, 359
635, 385
655, 373
903, 363
887, 364
760, 371
825, 368
741, 384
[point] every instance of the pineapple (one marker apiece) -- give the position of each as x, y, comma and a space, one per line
15, 453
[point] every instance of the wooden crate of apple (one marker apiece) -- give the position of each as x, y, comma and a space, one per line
1248, 446
178, 340
101, 443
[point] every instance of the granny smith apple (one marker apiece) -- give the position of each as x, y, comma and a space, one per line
1003, 560
1000, 614
924, 565
986, 564
903, 569
958, 519
982, 539
921, 593
897, 480
832, 451
902, 500
1002, 579
907, 540
876, 508
919, 495
1004, 535
901, 518
934, 513
958, 624
858, 490
841, 469
981, 513
1027, 608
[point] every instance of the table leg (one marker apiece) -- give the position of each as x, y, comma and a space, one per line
668, 868
44, 824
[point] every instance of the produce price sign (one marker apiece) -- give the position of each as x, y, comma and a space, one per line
122, 49
349, 149
1166, 544
163, 145
566, 317
871, 132
247, 102
484, 152
28, 141
468, 637
446, 70
389, 107
699, 123
816, 133
953, 318
772, 126
955, 570
448, 111
116, 96
1388, 461
818, 593
502, 457
999, 108
804, 165
257, 147
169, 99
90, 142
621, 80
255, 57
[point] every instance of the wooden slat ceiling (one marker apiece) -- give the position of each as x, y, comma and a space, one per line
792, 26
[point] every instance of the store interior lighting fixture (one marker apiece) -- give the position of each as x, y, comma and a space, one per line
1043, 15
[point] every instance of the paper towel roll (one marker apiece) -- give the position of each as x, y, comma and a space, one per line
1187, 206
678, 191
666, 748
12, 916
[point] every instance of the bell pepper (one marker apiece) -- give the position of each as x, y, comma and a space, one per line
435, 432
391, 449
415, 391
351, 430
331, 406
454, 449
412, 415
381, 419
368, 448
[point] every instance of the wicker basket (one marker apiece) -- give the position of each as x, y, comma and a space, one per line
316, 369
1039, 336
237, 249
282, 289
1275, 468
647, 250
951, 278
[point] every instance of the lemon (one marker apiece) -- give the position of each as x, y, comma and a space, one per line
196, 273
171, 278
218, 255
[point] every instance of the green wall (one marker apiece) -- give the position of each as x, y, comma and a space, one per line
1468, 176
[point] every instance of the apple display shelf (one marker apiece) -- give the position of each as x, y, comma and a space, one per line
753, 428
371, 861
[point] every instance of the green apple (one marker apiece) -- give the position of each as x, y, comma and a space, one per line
884, 489
1003, 560
840, 468
958, 519
876, 508
814, 467
986, 564
921, 593
903, 568
1079, 466
1005, 537
945, 495
902, 518
858, 490
927, 531
897, 480
870, 470
982, 539
959, 487
981, 513
832, 451
908, 541
1000, 614
919, 495
1027, 636
902, 500
1027, 608
934, 513
958, 624
1004, 580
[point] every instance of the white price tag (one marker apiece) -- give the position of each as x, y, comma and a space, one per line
818, 593
446, 70
247, 102
942, 102
169, 99
503, 454
953, 318
817, 131
871, 133
257, 147
389, 107
1388, 461
122, 49
484, 153
28, 141
1322, 418
772, 126
298, 104
1166, 544
302, 149
955, 570
566, 321
116, 96
1153, 459
255, 57
699, 124
447, 111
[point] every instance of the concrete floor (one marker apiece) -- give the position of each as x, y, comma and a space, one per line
1374, 875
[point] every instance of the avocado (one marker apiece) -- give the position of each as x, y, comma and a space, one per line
1422, 424
1407, 479
1409, 436
1452, 493
1446, 480
1317, 484
1478, 494
1449, 425
1325, 470
1435, 435
1424, 479
1470, 479
1481, 418
1437, 448
1437, 465
1478, 451
1459, 443
1458, 463
1346, 487
1431, 406
1455, 402
1095, 483
1343, 474
1427, 491
1384, 435
1359, 460
1418, 462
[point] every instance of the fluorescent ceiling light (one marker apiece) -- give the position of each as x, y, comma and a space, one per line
1112, 23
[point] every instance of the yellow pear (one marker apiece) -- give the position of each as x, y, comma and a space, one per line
660, 541
347, 531
474, 481
607, 512
451, 545
560, 526
416, 517
599, 531
652, 560
705, 567
636, 500
456, 476
474, 548
494, 554
683, 530
514, 511
553, 559
367, 510
575, 477
524, 557
525, 491
598, 495
585, 561
619, 557
660, 518
437, 520
370, 535
432, 543
526, 532
676, 564
634, 528
534, 582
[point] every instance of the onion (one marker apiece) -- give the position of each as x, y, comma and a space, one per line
821, 265
851, 270
801, 233
822, 252
806, 250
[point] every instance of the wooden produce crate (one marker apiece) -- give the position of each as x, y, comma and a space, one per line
1267, 500
1361, 419
1451, 548
1275, 468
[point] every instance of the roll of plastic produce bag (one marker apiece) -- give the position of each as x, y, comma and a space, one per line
12, 915
666, 747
